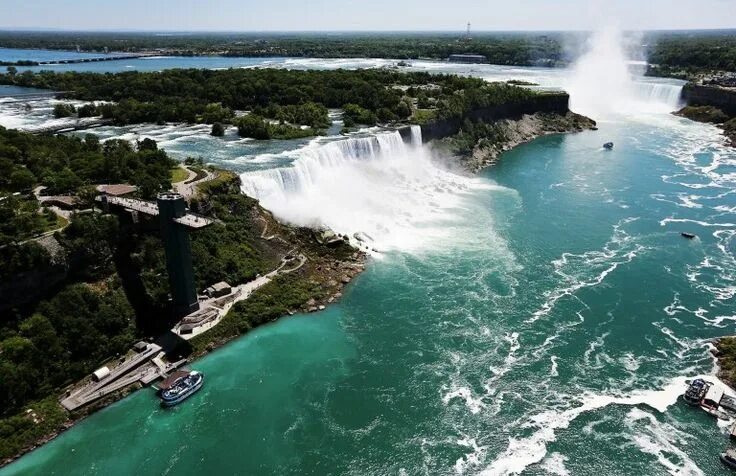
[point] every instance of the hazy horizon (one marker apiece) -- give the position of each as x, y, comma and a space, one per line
340, 32
232, 16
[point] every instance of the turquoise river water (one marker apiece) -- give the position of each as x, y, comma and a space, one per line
539, 318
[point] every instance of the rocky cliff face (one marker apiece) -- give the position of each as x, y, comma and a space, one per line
516, 124
521, 130
555, 103
722, 98
712, 104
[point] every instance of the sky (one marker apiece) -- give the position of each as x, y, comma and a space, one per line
351, 15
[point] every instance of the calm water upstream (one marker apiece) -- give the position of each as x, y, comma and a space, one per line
540, 318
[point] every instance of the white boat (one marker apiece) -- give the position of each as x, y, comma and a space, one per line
729, 458
181, 388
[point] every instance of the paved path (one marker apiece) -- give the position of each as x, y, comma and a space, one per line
180, 186
238, 293
188, 188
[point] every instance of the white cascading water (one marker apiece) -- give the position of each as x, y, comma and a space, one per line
601, 83
377, 186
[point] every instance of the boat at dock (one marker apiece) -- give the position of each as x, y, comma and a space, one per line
728, 458
696, 391
711, 398
712, 401
180, 386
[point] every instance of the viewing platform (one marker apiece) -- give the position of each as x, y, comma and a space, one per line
190, 220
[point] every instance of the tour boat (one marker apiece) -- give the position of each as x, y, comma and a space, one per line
689, 236
182, 388
729, 458
608, 145
696, 391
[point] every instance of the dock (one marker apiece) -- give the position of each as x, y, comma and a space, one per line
144, 368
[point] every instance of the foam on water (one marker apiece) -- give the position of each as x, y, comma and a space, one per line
523, 452
662, 441
589, 269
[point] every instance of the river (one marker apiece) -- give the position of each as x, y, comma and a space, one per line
539, 318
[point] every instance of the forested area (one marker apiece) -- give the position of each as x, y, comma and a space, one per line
500, 48
88, 317
716, 51
693, 50
65, 164
282, 104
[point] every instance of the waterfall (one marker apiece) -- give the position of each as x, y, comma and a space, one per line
304, 173
379, 186
416, 136
601, 82
666, 94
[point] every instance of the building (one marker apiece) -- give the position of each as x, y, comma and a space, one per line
140, 346
100, 373
172, 208
467, 58
218, 290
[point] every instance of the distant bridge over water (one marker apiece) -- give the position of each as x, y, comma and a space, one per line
68, 126
98, 59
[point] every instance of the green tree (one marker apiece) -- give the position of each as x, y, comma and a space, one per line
63, 110
253, 126
22, 179
218, 130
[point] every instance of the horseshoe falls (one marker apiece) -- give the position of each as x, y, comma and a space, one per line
538, 318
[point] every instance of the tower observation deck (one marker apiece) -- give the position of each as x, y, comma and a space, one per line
175, 223
172, 208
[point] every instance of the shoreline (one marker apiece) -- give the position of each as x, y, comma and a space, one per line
337, 273
515, 132
332, 273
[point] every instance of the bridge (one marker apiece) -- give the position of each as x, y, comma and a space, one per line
67, 126
25, 97
99, 58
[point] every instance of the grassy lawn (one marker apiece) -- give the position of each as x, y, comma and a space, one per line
422, 116
179, 174
60, 222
